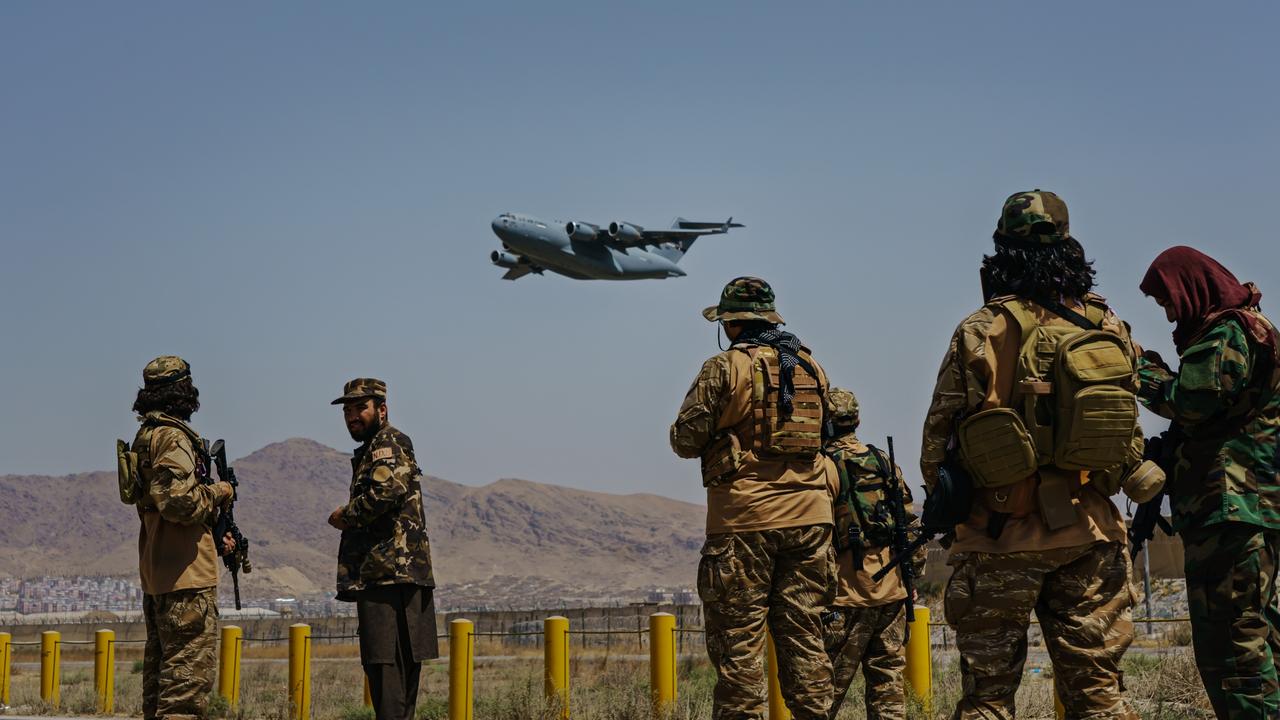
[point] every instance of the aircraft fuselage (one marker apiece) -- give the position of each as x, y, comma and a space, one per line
548, 246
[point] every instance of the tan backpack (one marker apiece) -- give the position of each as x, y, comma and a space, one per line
1074, 406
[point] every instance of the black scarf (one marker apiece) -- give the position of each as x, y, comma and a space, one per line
788, 347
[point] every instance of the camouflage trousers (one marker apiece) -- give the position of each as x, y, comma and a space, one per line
1083, 599
781, 578
870, 638
181, 656
1235, 625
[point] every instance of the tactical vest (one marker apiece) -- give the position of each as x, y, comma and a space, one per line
133, 461
1074, 403
765, 431
863, 518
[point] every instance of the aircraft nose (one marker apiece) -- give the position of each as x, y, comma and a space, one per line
677, 272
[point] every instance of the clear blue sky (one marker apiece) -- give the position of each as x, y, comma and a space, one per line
293, 194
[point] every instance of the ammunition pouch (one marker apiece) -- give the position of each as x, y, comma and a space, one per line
127, 476
996, 448
722, 460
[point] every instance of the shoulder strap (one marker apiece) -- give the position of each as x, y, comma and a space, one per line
1070, 315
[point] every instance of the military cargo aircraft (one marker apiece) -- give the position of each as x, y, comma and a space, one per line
582, 251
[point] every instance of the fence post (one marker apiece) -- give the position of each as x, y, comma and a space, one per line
920, 661
662, 662
460, 667
300, 670
5, 639
104, 669
777, 705
556, 662
229, 666
50, 666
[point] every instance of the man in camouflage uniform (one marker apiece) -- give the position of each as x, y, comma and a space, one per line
865, 626
1050, 542
384, 558
754, 416
178, 561
1224, 401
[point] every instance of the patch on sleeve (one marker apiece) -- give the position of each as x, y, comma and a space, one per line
384, 453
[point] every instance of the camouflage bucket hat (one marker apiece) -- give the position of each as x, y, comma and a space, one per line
842, 407
745, 298
165, 370
361, 388
1033, 218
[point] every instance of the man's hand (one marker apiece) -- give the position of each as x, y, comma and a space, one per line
335, 518
228, 544
228, 493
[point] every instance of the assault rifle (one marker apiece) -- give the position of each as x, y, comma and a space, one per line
237, 559
1162, 450
901, 545
945, 507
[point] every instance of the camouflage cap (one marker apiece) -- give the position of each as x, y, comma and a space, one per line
164, 370
842, 407
745, 298
361, 388
1038, 217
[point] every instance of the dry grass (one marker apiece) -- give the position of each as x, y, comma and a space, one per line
1164, 686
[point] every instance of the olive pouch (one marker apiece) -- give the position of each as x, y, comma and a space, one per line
996, 448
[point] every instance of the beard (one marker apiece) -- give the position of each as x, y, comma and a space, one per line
364, 433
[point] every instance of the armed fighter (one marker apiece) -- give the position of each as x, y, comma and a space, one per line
583, 251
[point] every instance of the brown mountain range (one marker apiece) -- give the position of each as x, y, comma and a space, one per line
508, 542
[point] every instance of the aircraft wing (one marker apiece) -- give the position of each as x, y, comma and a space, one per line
516, 273
689, 231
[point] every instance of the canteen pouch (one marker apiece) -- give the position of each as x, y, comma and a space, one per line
996, 448
127, 474
722, 460
1097, 411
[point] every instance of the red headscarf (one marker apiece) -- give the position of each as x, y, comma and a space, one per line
1200, 291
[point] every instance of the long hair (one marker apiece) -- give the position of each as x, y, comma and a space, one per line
179, 399
1039, 272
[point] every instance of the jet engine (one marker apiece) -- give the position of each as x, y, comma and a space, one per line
581, 231
624, 231
504, 260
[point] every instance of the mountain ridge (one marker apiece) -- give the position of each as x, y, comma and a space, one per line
491, 543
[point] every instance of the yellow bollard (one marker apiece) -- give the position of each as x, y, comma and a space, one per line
662, 662
920, 660
229, 665
50, 662
300, 671
5, 639
777, 706
461, 650
556, 662
104, 669
368, 696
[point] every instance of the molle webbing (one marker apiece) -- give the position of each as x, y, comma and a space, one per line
767, 431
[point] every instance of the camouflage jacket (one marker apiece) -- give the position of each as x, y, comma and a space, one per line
1226, 398
177, 509
385, 542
